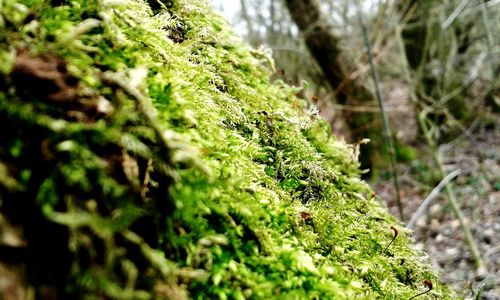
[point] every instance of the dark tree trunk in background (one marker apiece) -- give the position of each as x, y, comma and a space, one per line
324, 47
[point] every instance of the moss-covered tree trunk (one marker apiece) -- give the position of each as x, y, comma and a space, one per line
144, 154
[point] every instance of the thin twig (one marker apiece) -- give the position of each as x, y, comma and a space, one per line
368, 109
387, 133
435, 192
454, 14
487, 28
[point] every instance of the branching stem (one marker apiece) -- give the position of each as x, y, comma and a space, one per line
387, 132
428, 283
395, 236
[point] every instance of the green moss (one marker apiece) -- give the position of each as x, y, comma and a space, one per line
203, 180
405, 153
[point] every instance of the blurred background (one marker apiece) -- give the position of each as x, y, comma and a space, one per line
436, 67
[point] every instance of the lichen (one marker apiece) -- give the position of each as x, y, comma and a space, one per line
146, 155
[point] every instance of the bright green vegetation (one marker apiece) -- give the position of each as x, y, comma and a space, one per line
146, 155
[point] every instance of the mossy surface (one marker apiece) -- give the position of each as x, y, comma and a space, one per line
146, 155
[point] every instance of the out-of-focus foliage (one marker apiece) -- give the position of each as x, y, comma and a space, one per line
451, 47
453, 61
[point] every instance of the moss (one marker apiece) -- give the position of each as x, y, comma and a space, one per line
152, 158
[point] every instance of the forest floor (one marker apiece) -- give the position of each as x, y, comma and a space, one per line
438, 232
476, 153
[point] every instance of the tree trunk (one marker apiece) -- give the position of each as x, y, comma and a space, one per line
324, 47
